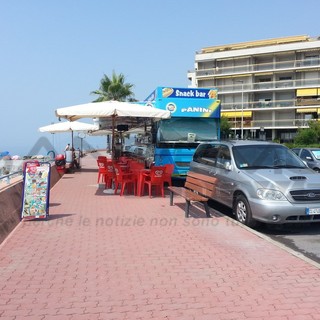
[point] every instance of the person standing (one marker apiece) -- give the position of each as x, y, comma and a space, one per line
67, 148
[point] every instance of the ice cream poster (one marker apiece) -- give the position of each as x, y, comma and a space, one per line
35, 204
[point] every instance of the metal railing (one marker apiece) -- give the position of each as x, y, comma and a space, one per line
7, 177
255, 67
236, 123
274, 104
14, 168
269, 85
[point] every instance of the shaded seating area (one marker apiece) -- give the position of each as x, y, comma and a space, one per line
131, 177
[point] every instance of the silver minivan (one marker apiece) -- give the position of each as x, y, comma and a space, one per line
261, 181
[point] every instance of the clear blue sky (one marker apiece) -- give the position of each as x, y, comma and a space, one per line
54, 53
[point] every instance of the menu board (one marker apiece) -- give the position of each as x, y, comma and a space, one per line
36, 189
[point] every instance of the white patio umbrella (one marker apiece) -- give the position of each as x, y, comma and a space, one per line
105, 132
68, 126
101, 132
107, 109
113, 110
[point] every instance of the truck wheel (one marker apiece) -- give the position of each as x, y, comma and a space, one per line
242, 211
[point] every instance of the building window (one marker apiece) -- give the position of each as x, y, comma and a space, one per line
285, 78
311, 60
264, 79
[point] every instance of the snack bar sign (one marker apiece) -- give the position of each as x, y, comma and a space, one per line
188, 102
188, 93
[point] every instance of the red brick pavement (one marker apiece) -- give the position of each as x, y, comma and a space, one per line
102, 256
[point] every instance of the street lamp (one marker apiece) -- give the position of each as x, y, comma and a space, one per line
242, 111
235, 121
81, 135
241, 107
261, 134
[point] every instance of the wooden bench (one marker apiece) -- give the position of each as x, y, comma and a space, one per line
198, 187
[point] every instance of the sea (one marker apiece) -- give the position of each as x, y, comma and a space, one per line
12, 159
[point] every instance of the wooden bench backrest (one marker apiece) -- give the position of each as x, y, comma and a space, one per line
200, 183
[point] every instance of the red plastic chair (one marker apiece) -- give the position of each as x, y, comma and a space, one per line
135, 165
105, 172
123, 178
110, 175
123, 160
137, 168
168, 174
102, 170
155, 178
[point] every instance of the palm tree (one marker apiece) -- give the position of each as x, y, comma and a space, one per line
114, 89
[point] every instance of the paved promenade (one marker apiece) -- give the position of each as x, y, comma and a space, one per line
102, 256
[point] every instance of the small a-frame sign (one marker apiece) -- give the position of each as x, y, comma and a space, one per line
36, 190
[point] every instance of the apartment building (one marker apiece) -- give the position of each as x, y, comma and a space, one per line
268, 89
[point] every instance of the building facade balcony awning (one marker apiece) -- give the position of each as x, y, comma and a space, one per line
236, 114
308, 92
308, 110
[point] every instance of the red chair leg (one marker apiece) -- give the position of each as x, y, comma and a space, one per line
116, 187
109, 183
122, 188
150, 190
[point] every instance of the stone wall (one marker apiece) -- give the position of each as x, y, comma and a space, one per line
11, 202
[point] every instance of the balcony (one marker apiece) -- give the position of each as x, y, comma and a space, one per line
308, 102
258, 67
278, 85
272, 104
268, 124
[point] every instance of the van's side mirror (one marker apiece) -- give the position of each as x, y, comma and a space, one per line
228, 166
308, 158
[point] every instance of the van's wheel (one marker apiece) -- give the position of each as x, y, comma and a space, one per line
242, 211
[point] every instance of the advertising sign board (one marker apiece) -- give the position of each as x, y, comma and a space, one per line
36, 189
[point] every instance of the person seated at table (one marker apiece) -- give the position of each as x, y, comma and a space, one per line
75, 160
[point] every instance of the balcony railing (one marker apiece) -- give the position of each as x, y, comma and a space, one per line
268, 85
268, 124
267, 66
270, 104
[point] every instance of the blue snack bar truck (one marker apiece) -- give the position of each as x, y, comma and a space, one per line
195, 118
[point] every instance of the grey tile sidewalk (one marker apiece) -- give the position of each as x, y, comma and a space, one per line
102, 256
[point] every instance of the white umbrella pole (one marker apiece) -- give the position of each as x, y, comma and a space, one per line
112, 141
